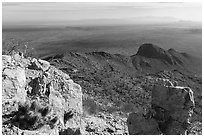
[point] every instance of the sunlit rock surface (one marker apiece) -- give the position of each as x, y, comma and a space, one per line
38, 98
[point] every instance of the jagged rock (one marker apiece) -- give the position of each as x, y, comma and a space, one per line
17, 57
44, 64
173, 106
6, 60
139, 125
39, 64
57, 103
72, 94
13, 87
59, 100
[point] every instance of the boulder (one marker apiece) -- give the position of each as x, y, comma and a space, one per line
17, 57
171, 110
44, 64
139, 125
173, 106
39, 64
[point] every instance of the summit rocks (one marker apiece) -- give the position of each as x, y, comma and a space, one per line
38, 98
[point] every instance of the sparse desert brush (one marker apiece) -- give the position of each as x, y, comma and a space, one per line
89, 106
30, 115
24, 47
128, 107
111, 109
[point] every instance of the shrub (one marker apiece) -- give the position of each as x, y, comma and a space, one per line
128, 107
11, 46
90, 106
30, 116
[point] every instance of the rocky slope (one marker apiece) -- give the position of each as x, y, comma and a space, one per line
39, 97
120, 79
151, 58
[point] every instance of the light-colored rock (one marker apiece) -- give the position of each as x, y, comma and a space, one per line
195, 128
6, 59
72, 94
48, 86
44, 64
57, 103
13, 87
40, 64
17, 57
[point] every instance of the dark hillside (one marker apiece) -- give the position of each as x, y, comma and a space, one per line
120, 79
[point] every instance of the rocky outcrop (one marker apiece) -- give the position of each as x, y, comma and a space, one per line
171, 111
13, 85
173, 106
138, 124
37, 98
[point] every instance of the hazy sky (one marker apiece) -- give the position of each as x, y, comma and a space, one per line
46, 13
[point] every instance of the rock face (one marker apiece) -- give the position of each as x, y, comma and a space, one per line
38, 98
174, 107
171, 110
139, 125
13, 85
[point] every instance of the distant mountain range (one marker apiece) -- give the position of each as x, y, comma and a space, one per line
145, 20
149, 59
